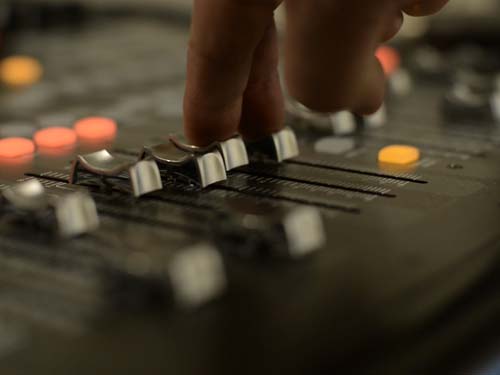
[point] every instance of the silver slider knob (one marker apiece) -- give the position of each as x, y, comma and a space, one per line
233, 150
74, 213
27, 196
204, 169
197, 275
279, 146
144, 176
291, 233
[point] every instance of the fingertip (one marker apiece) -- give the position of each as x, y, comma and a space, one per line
203, 126
422, 8
373, 96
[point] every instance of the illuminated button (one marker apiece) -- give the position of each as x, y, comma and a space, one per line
398, 154
96, 129
55, 137
16, 147
389, 58
18, 71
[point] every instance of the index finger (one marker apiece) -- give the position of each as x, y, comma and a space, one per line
419, 8
224, 36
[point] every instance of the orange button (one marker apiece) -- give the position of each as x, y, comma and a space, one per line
96, 129
18, 71
16, 147
55, 137
389, 58
399, 154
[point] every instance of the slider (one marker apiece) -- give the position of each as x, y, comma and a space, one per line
200, 168
110, 170
266, 230
233, 150
185, 276
279, 146
196, 275
473, 97
342, 123
71, 214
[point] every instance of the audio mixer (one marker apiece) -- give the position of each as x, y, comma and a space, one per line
340, 244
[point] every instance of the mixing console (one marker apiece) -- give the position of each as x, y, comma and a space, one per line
364, 245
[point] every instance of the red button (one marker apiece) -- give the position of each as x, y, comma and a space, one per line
16, 147
389, 58
96, 129
55, 137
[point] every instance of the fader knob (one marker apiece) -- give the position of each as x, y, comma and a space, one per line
233, 150
202, 169
104, 168
262, 229
472, 97
279, 146
71, 214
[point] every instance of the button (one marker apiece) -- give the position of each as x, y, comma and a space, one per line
16, 147
55, 137
20, 71
105, 169
96, 129
399, 154
389, 58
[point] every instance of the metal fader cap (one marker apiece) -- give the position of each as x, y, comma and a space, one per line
144, 176
279, 146
202, 168
74, 213
291, 233
233, 150
197, 275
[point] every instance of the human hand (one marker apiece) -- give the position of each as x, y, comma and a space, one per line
232, 77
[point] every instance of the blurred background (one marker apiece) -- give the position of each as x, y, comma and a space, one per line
468, 11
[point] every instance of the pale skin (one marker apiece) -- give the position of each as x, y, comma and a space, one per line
233, 84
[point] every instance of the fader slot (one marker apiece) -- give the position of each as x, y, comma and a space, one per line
263, 187
325, 161
297, 173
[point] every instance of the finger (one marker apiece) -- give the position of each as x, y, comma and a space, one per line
224, 36
330, 49
263, 105
421, 8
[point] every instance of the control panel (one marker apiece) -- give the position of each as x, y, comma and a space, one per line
338, 238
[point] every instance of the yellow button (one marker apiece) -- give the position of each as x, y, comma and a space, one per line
19, 71
399, 154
